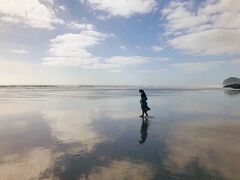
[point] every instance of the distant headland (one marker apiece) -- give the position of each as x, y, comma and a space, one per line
232, 82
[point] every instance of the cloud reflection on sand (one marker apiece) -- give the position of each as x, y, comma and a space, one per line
214, 144
27, 166
123, 170
193, 134
76, 123
25, 140
69, 126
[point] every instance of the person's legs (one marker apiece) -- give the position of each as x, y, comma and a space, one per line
142, 113
146, 113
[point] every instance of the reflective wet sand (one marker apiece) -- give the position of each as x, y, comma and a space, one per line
95, 133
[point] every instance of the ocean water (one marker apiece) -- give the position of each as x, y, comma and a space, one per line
95, 132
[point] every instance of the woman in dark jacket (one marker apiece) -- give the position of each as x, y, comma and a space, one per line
143, 102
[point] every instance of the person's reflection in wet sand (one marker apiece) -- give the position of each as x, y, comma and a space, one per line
143, 130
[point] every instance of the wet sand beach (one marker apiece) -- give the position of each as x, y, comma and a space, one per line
74, 132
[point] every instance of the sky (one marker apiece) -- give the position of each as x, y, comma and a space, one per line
119, 42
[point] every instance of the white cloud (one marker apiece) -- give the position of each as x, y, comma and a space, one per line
19, 51
213, 42
180, 18
198, 66
123, 8
123, 47
145, 71
101, 17
115, 63
127, 60
81, 26
72, 49
33, 13
157, 48
212, 28
62, 8
162, 59
82, 1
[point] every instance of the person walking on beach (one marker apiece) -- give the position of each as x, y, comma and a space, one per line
143, 102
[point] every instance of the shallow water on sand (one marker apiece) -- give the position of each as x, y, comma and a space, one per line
95, 133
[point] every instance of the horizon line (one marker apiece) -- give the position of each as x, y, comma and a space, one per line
112, 85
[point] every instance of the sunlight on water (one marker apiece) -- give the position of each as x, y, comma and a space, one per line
95, 133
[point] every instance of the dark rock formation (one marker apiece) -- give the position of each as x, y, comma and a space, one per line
232, 82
